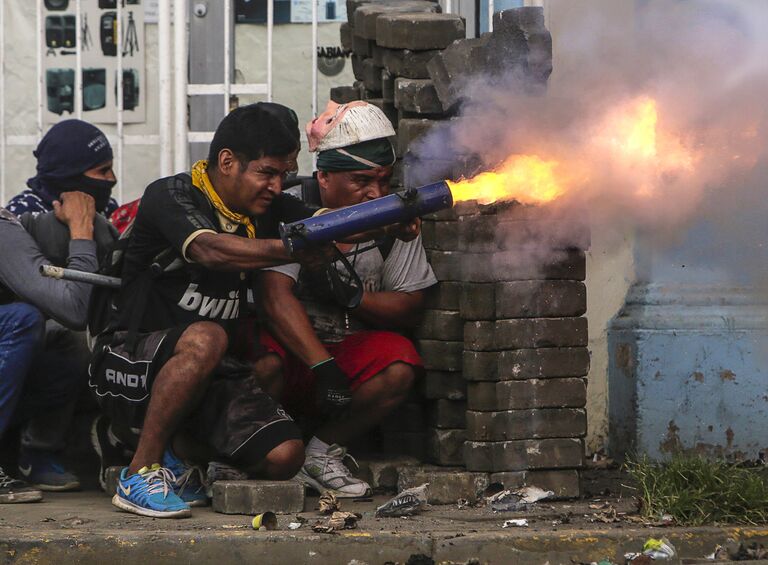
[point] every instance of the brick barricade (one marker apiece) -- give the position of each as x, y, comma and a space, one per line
504, 336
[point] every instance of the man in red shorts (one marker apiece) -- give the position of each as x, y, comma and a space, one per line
324, 354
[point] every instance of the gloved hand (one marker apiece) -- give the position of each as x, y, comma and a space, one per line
332, 388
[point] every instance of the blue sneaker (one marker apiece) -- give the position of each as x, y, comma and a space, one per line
44, 470
149, 493
188, 485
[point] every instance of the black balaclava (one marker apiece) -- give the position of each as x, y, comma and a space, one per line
66, 152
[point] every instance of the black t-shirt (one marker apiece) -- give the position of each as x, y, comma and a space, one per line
172, 212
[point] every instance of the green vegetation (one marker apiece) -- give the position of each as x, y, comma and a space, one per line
697, 491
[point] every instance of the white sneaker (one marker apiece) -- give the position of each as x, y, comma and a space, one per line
328, 472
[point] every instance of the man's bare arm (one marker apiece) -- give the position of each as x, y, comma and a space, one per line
391, 309
225, 252
287, 319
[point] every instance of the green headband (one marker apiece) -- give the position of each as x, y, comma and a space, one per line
366, 155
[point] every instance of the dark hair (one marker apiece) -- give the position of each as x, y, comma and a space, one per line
255, 131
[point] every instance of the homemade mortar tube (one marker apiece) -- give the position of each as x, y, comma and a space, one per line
79, 276
396, 208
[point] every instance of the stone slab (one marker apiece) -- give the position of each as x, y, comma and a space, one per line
407, 63
344, 94
408, 417
527, 394
525, 333
524, 455
419, 32
526, 424
522, 264
444, 325
478, 301
444, 384
255, 497
443, 296
446, 447
565, 483
448, 414
439, 236
365, 17
452, 68
417, 96
520, 364
540, 299
446, 486
345, 36
441, 355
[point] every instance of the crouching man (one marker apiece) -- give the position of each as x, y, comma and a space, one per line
325, 354
163, 371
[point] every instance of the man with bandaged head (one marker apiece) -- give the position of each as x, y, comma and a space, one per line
336, 352
74, 156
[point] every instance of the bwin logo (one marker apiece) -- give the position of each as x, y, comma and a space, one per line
223, 308
126, 379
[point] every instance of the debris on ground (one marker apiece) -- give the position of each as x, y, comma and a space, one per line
653, 550
265, 521
517, 500
328, 503
297, 523
600, 460
463, 503
337, 521
738, 551
516, 523
406, 503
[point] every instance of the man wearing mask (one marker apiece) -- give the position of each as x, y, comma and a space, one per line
73, 156
42, 368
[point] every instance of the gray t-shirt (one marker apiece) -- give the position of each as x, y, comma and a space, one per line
405, 270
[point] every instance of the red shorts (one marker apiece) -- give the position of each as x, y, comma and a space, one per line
360, 356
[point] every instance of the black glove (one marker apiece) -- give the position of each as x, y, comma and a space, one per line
332, 387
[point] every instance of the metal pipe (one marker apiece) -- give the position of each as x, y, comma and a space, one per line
366, 216
2, 102
164, 86
120, 141
490, 15
62, 273
79, 63
40, 84
270, 27
181, 145
227, 54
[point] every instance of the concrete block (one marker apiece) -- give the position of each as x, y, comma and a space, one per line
446, 447
387, 88
413, 444
397, 174
524, 333
565, 483
353, 5
440, 236
451, 68
377, 54
526, 424
362, 47
524, 455
407, 63
448, 414
357, 66
444, 384
382, 474
371, 75
408, 417
345, 35
522, 264
255, 497
419, 32
446, 485
445, 264
523, 395
478, 301
344, 94
366, 16
444, 325
409, 130
441, 355
540, 299
521, 364
443, 296
490, 233
418, 172
521, 44
387, 107
417, 95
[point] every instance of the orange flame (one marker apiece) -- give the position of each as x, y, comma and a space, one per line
629, 137
526, 178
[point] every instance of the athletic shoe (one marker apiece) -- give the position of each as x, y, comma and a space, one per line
188, 485
328, 472
111, 451
150, 493
44, 470
13, 491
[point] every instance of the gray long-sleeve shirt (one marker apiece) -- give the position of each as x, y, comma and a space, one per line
20, 261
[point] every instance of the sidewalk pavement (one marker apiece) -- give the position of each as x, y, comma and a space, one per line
85, 528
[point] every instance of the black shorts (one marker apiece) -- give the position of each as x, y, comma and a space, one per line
235, 417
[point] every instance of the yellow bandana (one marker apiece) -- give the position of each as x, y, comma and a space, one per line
200, 180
